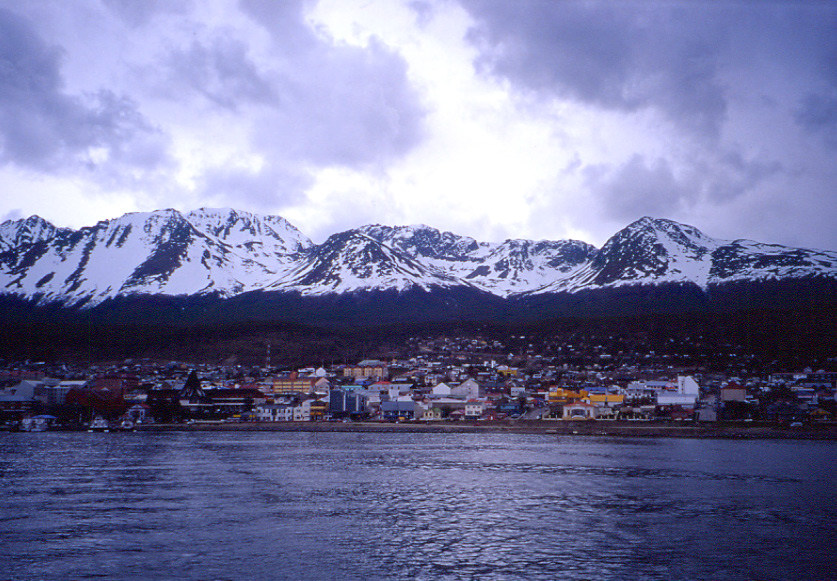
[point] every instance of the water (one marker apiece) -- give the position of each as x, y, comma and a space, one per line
268, 505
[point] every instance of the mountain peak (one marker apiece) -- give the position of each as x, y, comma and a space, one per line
227, 252
23, 231
353, 260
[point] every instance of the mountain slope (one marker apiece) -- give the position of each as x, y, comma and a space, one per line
162, 252
501, 269
655, 251
352, 261
226, 253
18, 233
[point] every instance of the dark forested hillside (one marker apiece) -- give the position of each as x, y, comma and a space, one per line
773, 322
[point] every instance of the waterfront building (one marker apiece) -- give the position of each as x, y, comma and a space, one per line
474, 410
345, 403
275, 412
20, 397
579, 411
398, 410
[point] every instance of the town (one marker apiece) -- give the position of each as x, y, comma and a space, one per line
444, 379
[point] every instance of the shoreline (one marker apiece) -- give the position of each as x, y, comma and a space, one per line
551, 428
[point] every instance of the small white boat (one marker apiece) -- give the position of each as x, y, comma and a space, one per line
99, 425
126, 425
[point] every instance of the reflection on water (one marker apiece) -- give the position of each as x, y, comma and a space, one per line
413, 506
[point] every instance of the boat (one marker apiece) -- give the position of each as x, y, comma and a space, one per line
36, 423
99, 425
126, 425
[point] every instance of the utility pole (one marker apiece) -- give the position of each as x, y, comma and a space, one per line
267, 358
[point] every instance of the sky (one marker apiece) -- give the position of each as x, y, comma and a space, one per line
493, 119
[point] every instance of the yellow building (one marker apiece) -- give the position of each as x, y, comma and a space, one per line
561, 396
293, 383
606, 399
318, 410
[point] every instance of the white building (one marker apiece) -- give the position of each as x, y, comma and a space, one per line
686, 395
274, 412
473, 410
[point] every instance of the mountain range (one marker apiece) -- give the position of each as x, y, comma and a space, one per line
226, 254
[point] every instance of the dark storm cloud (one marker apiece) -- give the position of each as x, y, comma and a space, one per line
613, 55
749, 87
220, 70
818, 114
685, 59
141, 12
639, 189
43, 127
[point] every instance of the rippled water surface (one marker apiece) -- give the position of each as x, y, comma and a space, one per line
413, 506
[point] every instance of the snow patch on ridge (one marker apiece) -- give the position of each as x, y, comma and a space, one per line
228, 252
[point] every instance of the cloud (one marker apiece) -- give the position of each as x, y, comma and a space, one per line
306, 102
638, 188
494, 118
13, 214
818, 114
616, 56
285, 22
44, 128
344, 105
140, 13
263, 188
220, 70
337, 104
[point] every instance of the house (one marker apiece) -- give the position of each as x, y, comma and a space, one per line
322, 386
432, 414
140, 414
468, 389
317, 410
493, 415
560, 396
227, 402
441, 390
474, 410
733, 392
20, 397
686, 395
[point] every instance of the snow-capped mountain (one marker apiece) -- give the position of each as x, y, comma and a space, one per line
656, 251
17, 233
352, 261
501, 269
162, 252
228, 252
